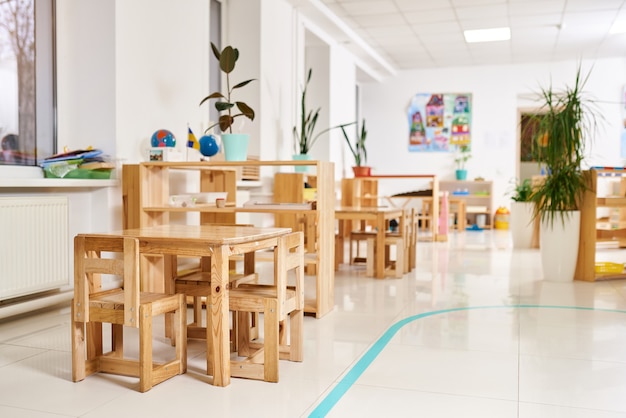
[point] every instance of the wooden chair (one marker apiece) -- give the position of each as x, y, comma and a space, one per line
122, 305
401, 240
195, 284
282, 307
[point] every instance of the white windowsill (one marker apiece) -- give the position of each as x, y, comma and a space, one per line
17, 176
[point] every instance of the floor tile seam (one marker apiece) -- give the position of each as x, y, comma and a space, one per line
17, 362
376, 348
578, 408
453, 349
68, 350
434, 392
35, 332
565, 357
20, 408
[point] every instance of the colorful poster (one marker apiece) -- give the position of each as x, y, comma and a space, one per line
439, 122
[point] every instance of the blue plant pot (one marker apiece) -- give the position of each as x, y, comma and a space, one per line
461, 174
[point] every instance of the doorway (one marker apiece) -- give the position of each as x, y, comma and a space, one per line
527, 164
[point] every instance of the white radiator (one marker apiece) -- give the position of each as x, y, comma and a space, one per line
33, 245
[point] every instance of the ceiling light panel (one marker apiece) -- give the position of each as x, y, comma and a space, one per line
487, 35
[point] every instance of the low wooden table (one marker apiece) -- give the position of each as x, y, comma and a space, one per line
380, 215
218, 242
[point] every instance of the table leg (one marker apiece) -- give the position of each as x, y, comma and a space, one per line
219, 344
340, 246
379, 270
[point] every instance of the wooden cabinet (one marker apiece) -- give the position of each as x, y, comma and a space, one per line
478, 197
146, 192
602, 223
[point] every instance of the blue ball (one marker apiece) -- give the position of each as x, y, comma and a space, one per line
163, 138
208, 145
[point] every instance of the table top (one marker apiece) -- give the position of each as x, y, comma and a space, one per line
202, 234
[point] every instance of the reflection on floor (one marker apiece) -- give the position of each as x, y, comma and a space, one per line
483, 336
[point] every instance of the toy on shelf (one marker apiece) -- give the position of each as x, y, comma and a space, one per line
163, 138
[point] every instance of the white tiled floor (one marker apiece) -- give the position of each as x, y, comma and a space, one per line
490, 358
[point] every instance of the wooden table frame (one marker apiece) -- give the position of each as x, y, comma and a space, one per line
380, 215
434, 225
218, 242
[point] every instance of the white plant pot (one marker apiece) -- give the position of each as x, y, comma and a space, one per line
559, 246
521, 224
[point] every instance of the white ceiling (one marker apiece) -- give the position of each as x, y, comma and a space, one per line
393, 35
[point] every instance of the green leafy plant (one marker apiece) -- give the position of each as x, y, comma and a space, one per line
305, 137
227, 59
566, 120
359, 152
522, 191
462, 156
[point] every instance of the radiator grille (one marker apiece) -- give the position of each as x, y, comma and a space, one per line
33, 245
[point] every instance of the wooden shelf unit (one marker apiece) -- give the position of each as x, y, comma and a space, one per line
146, 190
478, 200
594, 231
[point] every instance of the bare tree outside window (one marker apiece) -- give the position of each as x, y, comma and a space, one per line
26, 81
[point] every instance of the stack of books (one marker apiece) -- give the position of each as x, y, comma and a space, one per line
79, 164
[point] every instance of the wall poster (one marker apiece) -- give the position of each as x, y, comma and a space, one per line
439, 122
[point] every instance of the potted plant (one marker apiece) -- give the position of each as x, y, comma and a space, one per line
463, 154
522, 209
359, 152
235, 145
566, 121
305, 137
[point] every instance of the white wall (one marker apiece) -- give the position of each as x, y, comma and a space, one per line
86, 74
342, 105
161, 71
495, 98
278, 80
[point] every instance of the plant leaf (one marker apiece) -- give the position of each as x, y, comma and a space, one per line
216, 51
215, 95
225, 122
220, 106
245, 110
228, 58
243, 83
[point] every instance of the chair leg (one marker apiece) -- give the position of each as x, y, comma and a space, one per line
78, 349
117, 340
271, 346
181, 333
371, 256
243, 320
400, 267
296, 336
145, 347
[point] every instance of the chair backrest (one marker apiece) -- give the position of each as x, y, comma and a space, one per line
289, 256
89, 266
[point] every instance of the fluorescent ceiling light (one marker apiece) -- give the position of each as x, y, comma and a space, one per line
618, 27
487, 35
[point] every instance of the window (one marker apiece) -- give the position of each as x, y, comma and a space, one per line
27, 81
